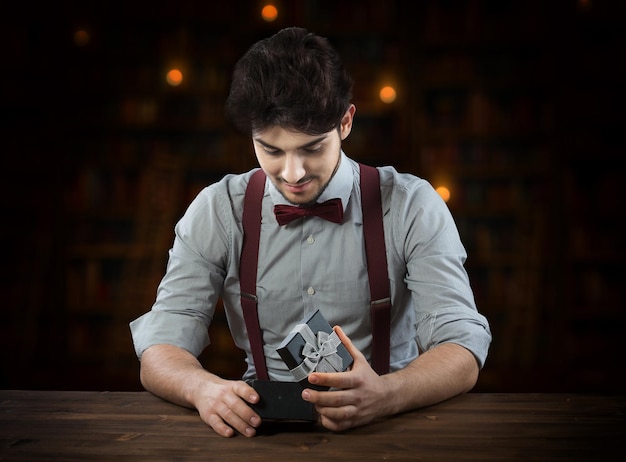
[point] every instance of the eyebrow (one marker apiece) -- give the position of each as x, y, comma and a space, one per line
304, 146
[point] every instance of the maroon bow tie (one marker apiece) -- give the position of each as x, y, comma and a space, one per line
331, 210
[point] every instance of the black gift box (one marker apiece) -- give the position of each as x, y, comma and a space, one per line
290, 350
281, 401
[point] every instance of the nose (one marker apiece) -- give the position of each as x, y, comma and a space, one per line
293, 170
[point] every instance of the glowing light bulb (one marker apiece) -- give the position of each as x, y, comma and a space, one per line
81, 37
444, 193
269, 13
174, 77
387, 94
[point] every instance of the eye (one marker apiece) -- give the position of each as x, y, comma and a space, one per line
271, 151
313, 149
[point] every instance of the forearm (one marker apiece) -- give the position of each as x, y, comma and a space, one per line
177, 376
174, 374
436, 375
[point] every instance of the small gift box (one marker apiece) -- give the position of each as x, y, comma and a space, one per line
313, 346
281, 401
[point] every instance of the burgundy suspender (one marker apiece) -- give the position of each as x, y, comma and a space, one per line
251, 221
380, 305
380, 299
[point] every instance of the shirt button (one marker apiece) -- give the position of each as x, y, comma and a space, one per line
310, 291
310, 240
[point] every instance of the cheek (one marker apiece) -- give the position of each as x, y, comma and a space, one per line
260, 158
270, 165
260, 161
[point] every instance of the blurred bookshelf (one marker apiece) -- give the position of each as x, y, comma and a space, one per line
513, 106
485, 132
147, 148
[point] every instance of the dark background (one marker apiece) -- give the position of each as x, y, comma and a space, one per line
516, 106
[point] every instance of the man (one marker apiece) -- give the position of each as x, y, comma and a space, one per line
291, 94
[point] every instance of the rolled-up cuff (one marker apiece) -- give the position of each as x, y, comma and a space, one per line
155, 327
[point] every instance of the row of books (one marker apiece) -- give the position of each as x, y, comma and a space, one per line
486, 155
200, 77
93, 284
597, 288
115, 195
504, 292
174, 112
103, 189
485, 239
462, 67
482, 112
475, 21
598, 242
500, 196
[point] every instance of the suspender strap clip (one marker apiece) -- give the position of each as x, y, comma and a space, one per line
249, 296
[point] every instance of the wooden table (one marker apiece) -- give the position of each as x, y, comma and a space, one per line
120, 426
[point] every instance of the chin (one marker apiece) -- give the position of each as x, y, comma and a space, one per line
300, 201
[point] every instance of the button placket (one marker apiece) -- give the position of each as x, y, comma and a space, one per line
309, 263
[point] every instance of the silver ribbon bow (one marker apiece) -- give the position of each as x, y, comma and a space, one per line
320, 353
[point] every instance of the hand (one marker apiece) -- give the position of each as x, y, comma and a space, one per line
223, 405
361, 396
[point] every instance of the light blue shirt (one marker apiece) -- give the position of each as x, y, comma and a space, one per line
314, 264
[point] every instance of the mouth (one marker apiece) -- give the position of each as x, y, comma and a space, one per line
297, 188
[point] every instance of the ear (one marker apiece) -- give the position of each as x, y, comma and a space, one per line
345, 127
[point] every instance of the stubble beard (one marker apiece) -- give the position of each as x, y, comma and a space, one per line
319, 192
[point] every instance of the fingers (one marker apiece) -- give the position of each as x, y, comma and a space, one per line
336, 409
227, 411
354, 351
241, 418
246, 392
341, 380
219, 426
349, 402
338, 419
240, 411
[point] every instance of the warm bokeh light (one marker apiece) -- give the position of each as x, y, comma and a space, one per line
444, 193
269, 13
174, 77
81, 37
387, 94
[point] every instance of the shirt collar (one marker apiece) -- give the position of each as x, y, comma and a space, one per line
340, 185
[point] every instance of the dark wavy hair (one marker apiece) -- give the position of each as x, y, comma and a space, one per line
295, 80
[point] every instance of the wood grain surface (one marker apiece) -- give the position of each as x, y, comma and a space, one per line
124, 426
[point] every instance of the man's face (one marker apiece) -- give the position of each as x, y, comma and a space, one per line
300, 165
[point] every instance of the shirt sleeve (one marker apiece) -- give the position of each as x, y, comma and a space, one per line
435, 274
187, 294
